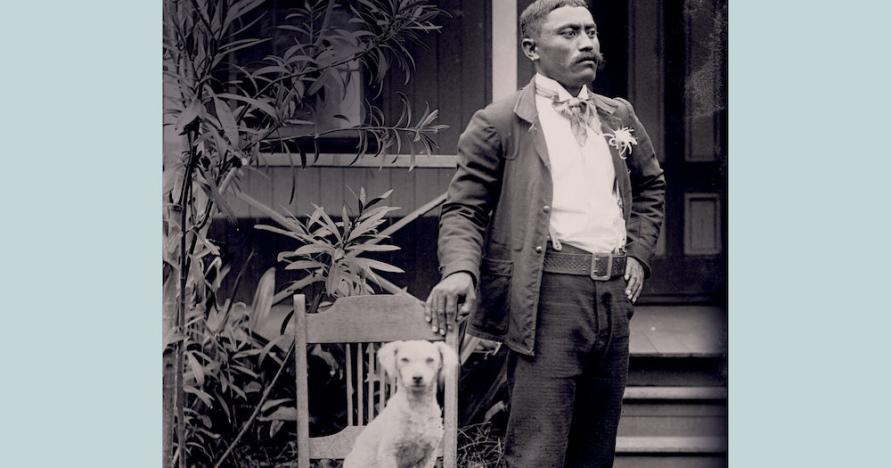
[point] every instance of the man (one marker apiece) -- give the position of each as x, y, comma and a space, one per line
554, 214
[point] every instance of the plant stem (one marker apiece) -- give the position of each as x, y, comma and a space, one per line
256, 412
179, 395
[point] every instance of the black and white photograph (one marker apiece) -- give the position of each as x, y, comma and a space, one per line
445, 233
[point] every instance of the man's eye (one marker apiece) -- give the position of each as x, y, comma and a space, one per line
569, 33
592, 34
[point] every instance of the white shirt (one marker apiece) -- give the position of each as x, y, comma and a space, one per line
585, 212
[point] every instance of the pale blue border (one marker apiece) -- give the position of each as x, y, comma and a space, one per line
81, 237
81, 146
809, 317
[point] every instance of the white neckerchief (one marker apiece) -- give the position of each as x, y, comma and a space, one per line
585, 211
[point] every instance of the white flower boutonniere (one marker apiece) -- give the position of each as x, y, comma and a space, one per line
622, 140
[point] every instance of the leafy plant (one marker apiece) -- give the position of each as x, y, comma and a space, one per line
225, 108
334, 252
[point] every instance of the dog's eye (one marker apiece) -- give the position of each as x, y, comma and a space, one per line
403, 360
430, 360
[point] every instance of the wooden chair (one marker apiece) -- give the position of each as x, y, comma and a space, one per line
362, 323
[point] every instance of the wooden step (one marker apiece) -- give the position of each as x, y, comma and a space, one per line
674, 412
671, 445
670, 461
677, 372
679, 331
675, 393
671, 452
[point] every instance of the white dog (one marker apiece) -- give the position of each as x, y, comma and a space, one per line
408, 431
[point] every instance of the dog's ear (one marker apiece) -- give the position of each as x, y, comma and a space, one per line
448, 360
387, 357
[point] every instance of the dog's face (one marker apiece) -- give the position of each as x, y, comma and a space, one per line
417, 365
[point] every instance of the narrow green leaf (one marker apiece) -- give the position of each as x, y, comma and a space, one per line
187, 117
368, 225
244, 370
202, 395
256, 103
332, 227
357, 249
279, 342
196, 368
281, 414
303, 265
272, 403
264, 227
227, 120
275, 427
377, 265
346, 222
263, 298
310, 249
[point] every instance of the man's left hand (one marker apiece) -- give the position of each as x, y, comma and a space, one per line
634, 278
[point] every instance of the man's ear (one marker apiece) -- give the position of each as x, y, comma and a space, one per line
530, 49
387, 357
448, 361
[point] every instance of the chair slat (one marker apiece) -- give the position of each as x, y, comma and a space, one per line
370, 380
349, 383
302, 372
450, 418
382, 395
360, 359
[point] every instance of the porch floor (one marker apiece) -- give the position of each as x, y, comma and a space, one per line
678, 331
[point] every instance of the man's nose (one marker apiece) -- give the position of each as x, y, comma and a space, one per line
586, 43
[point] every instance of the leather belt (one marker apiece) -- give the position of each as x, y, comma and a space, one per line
599, 267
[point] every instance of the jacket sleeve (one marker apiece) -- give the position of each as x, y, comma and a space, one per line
472, 194
647, 194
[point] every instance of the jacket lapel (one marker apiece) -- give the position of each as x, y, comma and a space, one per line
526, 110
609, 124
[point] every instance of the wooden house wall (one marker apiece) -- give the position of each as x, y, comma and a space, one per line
452, 73
334, 187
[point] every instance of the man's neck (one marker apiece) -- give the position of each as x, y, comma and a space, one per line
573, 90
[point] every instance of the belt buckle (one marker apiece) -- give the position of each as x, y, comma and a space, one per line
609, 267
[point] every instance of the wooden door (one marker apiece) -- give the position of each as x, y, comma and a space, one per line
691, 263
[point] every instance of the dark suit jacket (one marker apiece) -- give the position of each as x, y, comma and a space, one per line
494, 223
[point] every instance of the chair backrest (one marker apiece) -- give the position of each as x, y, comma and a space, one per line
362, 323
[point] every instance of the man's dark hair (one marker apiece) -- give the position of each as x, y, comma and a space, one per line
534, 14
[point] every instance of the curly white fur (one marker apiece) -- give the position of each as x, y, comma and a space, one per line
406, 433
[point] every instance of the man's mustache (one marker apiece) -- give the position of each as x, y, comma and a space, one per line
597, 57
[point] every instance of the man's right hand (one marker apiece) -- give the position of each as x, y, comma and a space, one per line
441, 308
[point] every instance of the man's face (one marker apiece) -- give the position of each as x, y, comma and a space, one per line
567, 47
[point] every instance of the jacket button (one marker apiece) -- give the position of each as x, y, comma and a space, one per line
537, 249
546, 209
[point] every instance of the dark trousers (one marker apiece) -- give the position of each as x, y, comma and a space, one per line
566, 400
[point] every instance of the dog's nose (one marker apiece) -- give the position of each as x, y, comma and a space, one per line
417, 379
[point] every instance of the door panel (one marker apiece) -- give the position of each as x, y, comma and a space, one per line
691, 261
